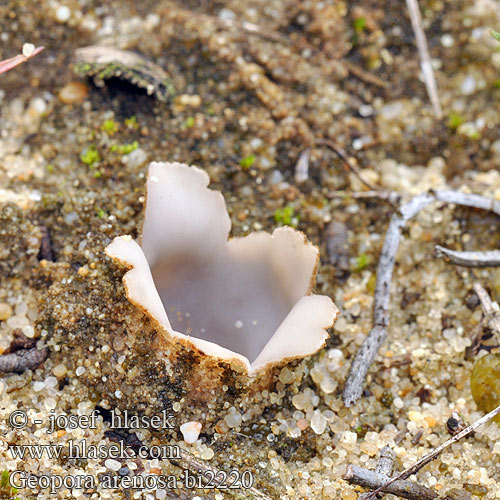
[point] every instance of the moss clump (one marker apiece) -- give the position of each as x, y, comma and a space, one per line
286, 216
247, 162
110, 127
485, 383
90, 156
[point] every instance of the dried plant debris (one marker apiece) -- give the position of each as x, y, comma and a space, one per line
103, 63
368, 350
489, 258
24, 359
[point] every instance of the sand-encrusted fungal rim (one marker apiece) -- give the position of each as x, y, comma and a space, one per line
309, 317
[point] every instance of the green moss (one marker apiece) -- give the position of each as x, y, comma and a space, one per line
485, 383
286, 216
189, 122
247, 162
6, 491
359, 24
132, 122
362, 261
124, 149
110, 127
90, 156
455, 120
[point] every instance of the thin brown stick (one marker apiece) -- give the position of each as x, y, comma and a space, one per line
377, 335
401, 488
469, 259
200, 467
374, 340
490, 309
347, 162
385, 466
425, 58
8, 64
475, 338
436, 452
365, 76
302, 167
392, 197
192, 464
22, 360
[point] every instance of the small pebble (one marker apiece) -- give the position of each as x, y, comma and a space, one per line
124, 471
318, 422
447, 40
28, 331
28, 49
5, 311
63, 14
233, 420
59, 370
190, 431
112, 464
207, 454
38, 386
73, 93
135, 158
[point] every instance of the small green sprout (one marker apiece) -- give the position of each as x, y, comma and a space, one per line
5, 489
101, 213
286, 216
4, 479
110, 127
455, 120
495, 35
125, 149
90, 156
362, 261
49, 167
131, 122
247, 162
496, 84
189, 122
359, 24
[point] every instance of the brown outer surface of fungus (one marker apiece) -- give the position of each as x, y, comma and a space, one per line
213, 361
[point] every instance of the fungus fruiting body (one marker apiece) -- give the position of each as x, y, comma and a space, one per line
245, 302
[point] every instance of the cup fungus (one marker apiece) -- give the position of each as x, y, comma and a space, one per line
244, 302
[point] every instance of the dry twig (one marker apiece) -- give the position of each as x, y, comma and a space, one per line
22, 360
191, 463
490, 309
201, 467
376, 337
374, 480
435, 453
469, 259
347, 162
302, 167
392, 197
29, 51
364, 75
425, 58
384, 467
